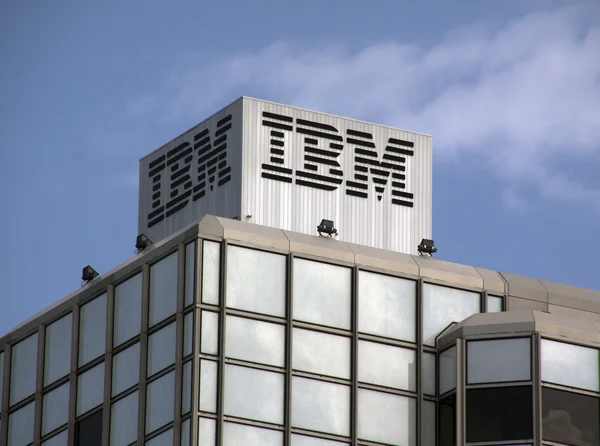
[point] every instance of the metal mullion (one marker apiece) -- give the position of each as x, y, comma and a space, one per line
537, 388
322, 378
110, 296
195, 400
322, 329
419, 368
39, 385
484, 301
287, 418
143, 354
323, 435
255, 316
388, 390
73, 374
5, 383
354, 357
387, 341
255, 365
221, 368
256, 423
179, 343
460, 410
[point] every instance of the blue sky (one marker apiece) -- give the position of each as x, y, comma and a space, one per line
510, 91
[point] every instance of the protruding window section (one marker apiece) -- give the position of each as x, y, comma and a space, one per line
88, 431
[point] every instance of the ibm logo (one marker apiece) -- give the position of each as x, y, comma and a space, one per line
203, 162
323, 145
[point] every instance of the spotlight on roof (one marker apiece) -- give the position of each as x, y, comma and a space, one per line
426, 247
326, 227
88, 274
142, 242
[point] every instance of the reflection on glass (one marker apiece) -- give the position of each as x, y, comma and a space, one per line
54, 414
128, 309
499, 360
240, 434
447, 370
126, 369
161, 349
92, 330
208, 385
207, 432
211, 259
61, 439
185, 432
160, 402
163, 289
387, 366
209, 336
321, 353
256, 281
20, 426
428, 373
58, 349
190, 272
387, 306
428, 423
494, 304
90, 389
164, 439
322, 293
23, 369
188, 333
123, 420
186, 397
570, 365
255, 341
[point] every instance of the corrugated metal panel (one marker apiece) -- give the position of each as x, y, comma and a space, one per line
289, 161
197, 173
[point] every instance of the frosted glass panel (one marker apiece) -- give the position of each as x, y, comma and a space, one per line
256, 281
90, 389
161, 349
23, 369
498, 360
164, 439
386, 418
163, 289
54, 404
61, 439
128, 309
255, 341
92, 330
211, 258
207, 432
188, 333
447, 370
160, 402
494, 304
429, 373
321, 353
186, 397
240, 434
209, 337
303, 440
428, 422
20, 426
208, 385
190, 272
124, 420
387, 306
570, 365
126, 369
320, 406
387, 366
253, 394
322, 293
58, 349
442, 305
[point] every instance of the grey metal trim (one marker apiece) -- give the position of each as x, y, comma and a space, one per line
5, 397
536, 362
419, 371
287, 415
222, 318
460, 392
73, 374
354, 356
39, 385
179, 343
143, 354
195, 401
106, 407
484, 302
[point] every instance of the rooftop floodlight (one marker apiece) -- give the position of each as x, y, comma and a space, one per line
426, 247
326, 227
142, 242
88, 274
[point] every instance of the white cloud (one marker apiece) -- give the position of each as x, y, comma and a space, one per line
521, 97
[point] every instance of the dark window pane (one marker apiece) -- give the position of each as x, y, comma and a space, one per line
447, 420
88, 432
570, 418
499, 414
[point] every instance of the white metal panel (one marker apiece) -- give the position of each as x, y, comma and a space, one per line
280, 190
179, 186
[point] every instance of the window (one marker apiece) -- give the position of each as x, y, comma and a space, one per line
161, 349
322, 293
185, 432
255, 341
160, 402
58, 349
321, 353
128, 309
188, 333
570, 365
124, 420
20, 426
61, 439
428, 371
386, 418
447, 421
186, 388
92, 330
163, 439
55, 409
303, 440
386, 365
211, 265
208, 386
429, 423
190, 272
90, 389
163, 289
23, 369
209, 336
207, 432
447, 378
494, 304
499, 360
235, 434
126, 369
88, 432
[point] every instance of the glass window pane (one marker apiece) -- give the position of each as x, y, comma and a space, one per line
255, 341
498, 360
207, 432
237, 434
429, 373
320, 406
387, 366
23, 369
494, 304
570, 365
499, 414
447, 370
321, 353
570, 418
303, 440
92, 330
208, 385
58, 349
20, 426
124, 420
54, 413
387, 306
209, 337
447, 421
256, 280
90, 389
185, 433
386, 418
253, 394
160, 402
128, 309
428, 423
163, 289
164, 439
188, 333
322, 293
442, 305
190, 272
186, 397
61, 439
161, 349
126, 369
88, 431
211, 264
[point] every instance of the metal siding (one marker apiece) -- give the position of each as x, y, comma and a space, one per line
365, 221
